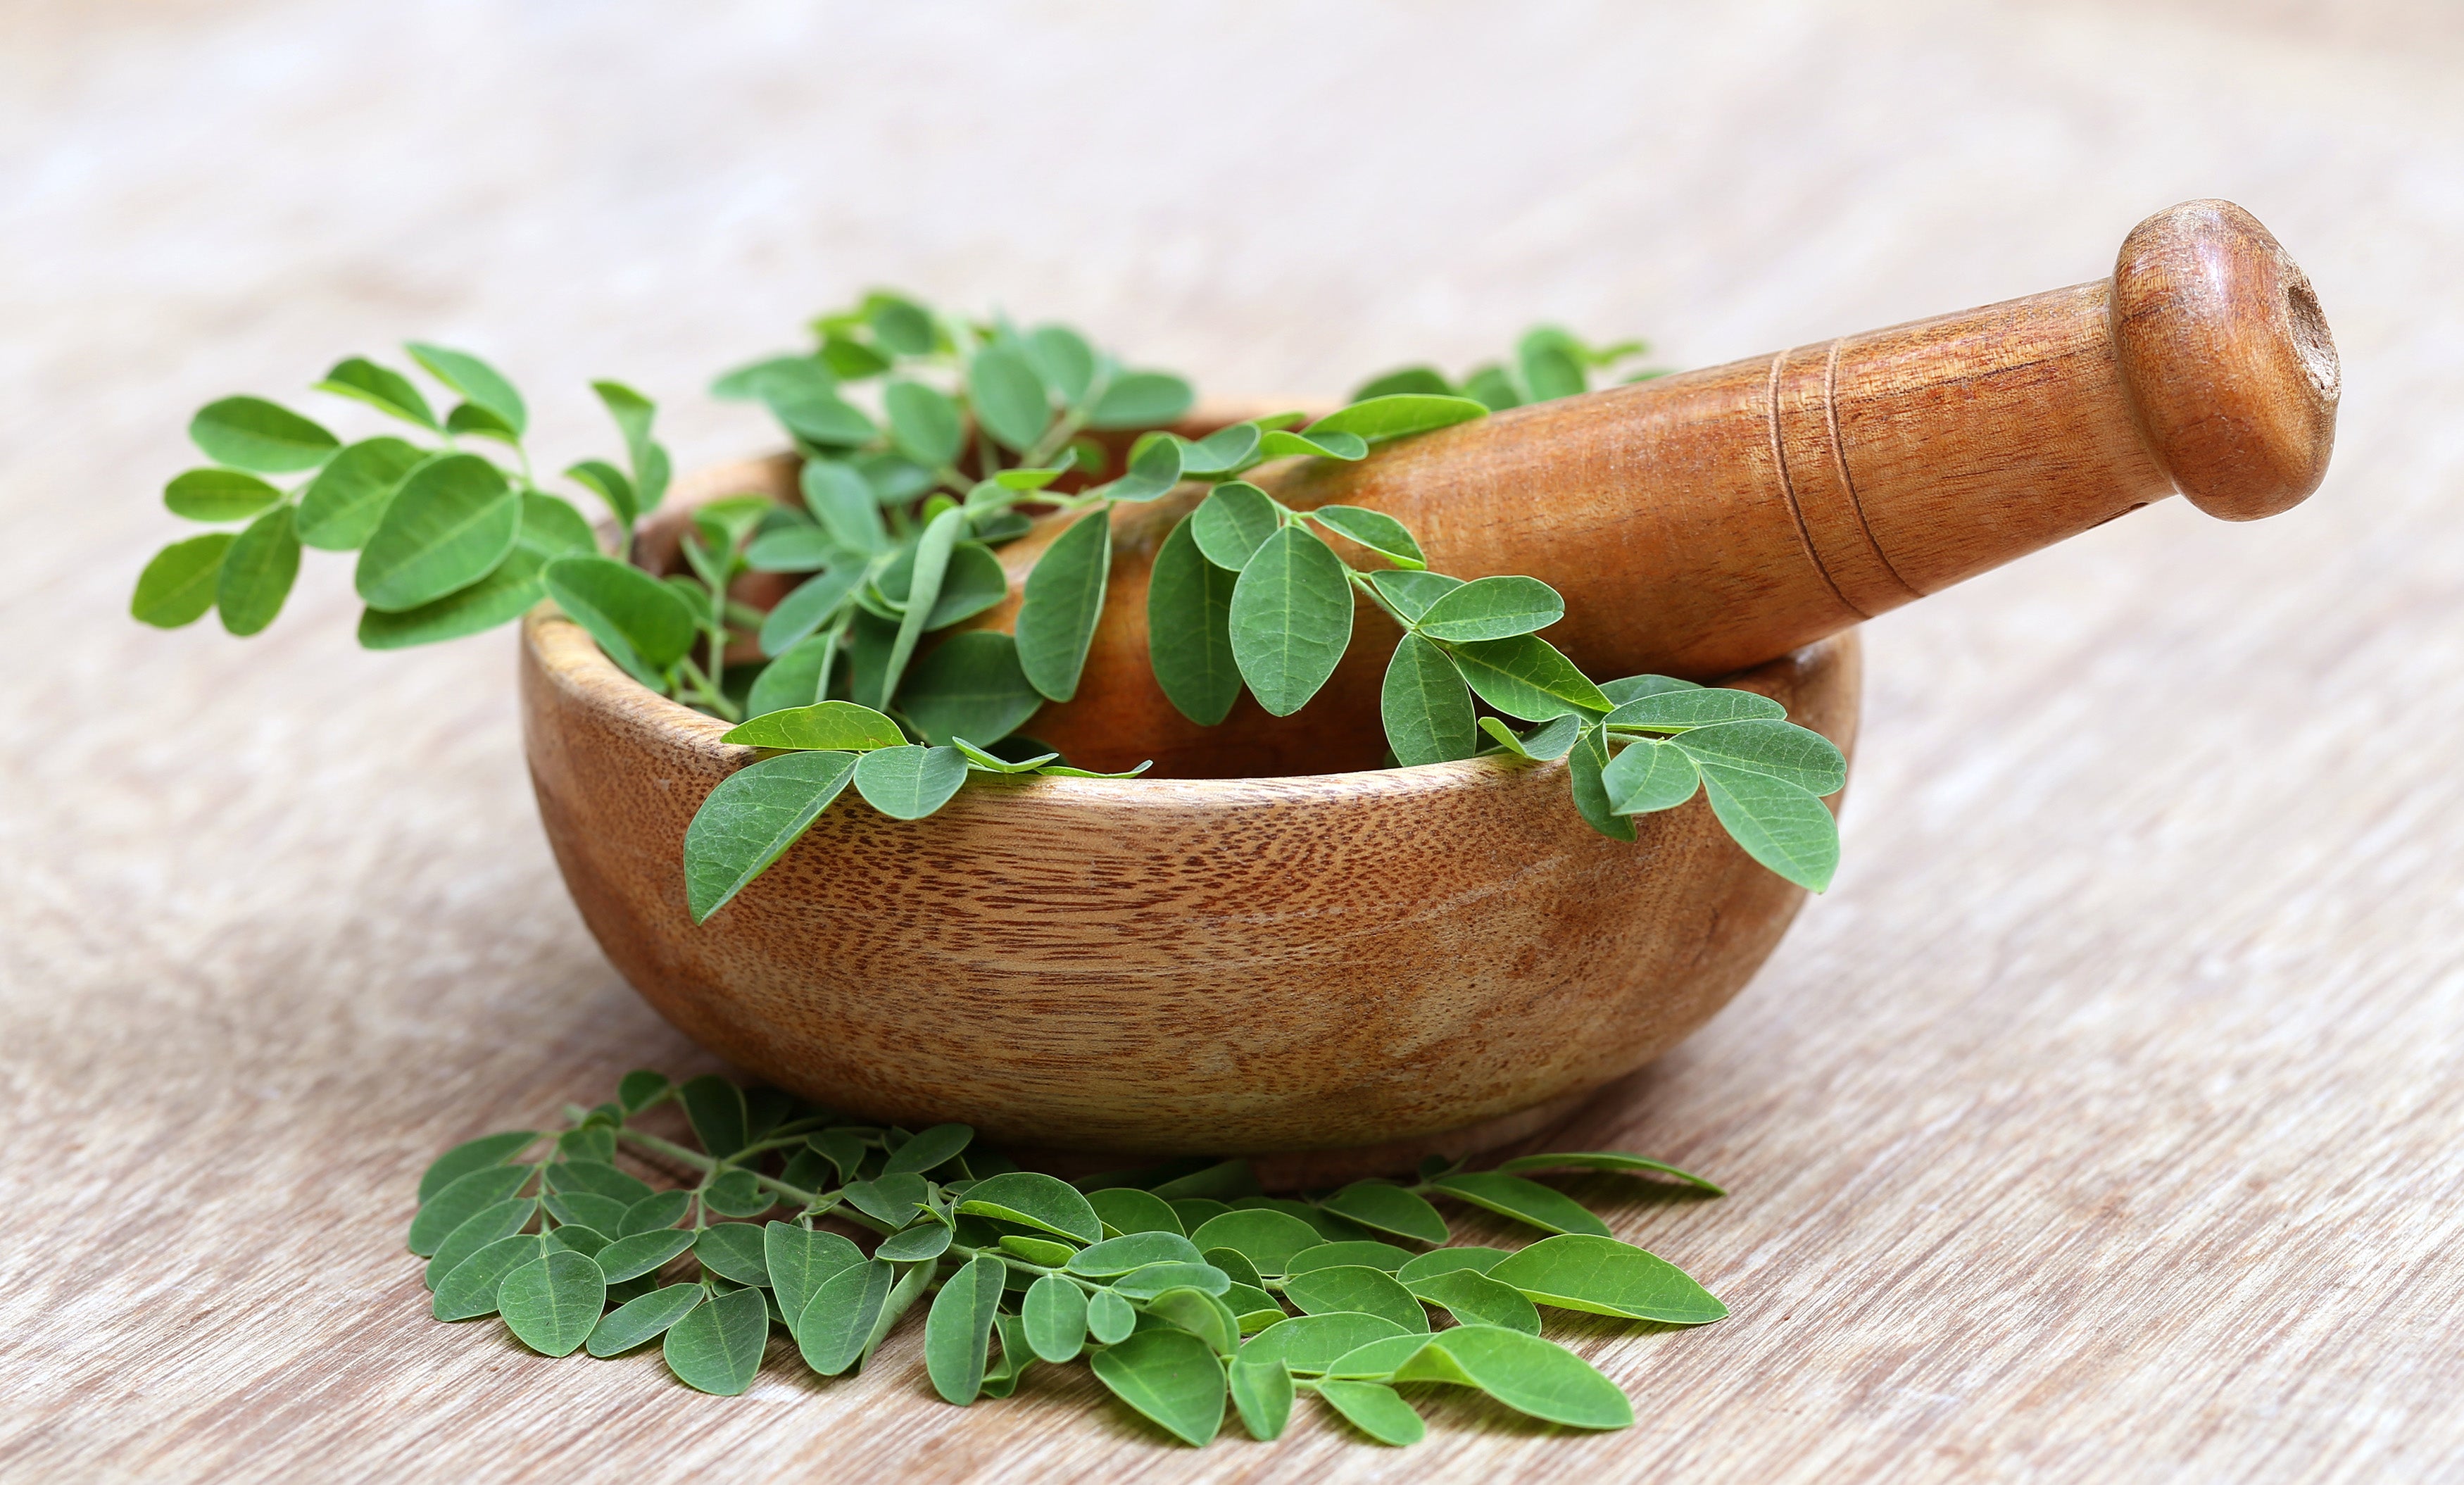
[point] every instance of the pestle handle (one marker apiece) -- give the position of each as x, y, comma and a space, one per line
1703, 523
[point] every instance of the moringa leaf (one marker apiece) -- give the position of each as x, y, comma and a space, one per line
1524, 1201
470, 1290
1375, 530
340, 509
641, 623
1525, 677
1355, 1288
474, 1155
1268, 1238
1445, 1260
971, 684
587, 1209
1007, 396
1785, 828
1397, 415
924, 423
1552, 739
1605, 1159
1126, 1210
459, 1201
910, 1286
1633, 687
475, 380
1389, 1208
453, 519
1262, 1392
1291, 619
1524, 1372
1222, 450
1064, 360
890, 1199
219, 494
380, 387
640, 1089
177, 586
1694, 706
803, 395
1601, 1275
959, 1328
474, 421
1427, 380
1055, 1311
1232, 522
750, 820
1061, 600
930, 1149
643, 1252
551, 529
794, 678
1282, 444
483, 1227
264, 437
806, 607
1362, 1252
1140, 399
1474, 1298
932, 565
1032, 1199
632, 413
909, 782
737, 1193
1145, 1283
1132, 1251
553, 1302
845, 504
1412, 593
1201, 1314
838, 1322
716, 1347
1189, 629
1155, 469
735, 1251
1585, 766
1648, 777
1108, 1317
989, 762
258, 572
832, 727
1375, 1409
1314, 1342
926, 1239
797, 548
1492, 608
643, 1319
715, 1106
1170, 1376
1783, 750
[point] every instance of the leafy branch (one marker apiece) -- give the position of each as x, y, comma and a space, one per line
1182, 1287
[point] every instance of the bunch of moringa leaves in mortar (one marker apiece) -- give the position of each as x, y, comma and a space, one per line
1181, 1286
926, 441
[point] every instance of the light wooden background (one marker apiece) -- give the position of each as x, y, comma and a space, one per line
2103, 1124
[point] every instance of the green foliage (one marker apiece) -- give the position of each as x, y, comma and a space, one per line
1010, 1266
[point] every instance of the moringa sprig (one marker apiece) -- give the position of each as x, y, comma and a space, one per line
1182, 1287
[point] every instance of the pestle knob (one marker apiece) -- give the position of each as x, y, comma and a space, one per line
1703, 523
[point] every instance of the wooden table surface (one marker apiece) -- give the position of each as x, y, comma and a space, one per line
2102, 1125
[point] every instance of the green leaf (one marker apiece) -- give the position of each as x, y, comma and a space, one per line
453, 519
1061, 600
1126, 1210
1426, 380
838, 1321
1362, 1252
217, 494
640, 1089
1633, 688
1279, 444
1783, 750
1446, 1260
1145, 1283
1141, 399
750, 820
470, 1289
553, 1304
793, 548
1357, 1290
1378, 1360
992, 763
1170, 1376
253, 434
472, 420
1108, 1317
900, 324
1291, 618
1550, 369
1032, 1199
1063, 359
1551, 741
380, 387
1375, 1409
735, 1251
1412, 593
643, 1252
1600, 1275
717, 1108
1232, 522
1648, 777
1268, 1238
845, 504
177, 586
890, 1199
256, 573
735, 1193
1055, 1310
932, 564
800, 1261
806, 607
930, 1149
971, 583
1584, 768
1375, 530
643, 624
926, 1239
612, 485
803, 395
1389, 1208
959, 1329
794, 678
475, 380
632, 413
645, 1319
924, 424
1493, 608
1201, 1314
1695, 706
602, 1214
852, 358
459, 1201
1397, 416
1132, 1251
577, 1237
1524, 1372
1474, 1298
473, 1155
483, 1227
1783, 826
716, 1347
343, 506
1222, 450
1228, 1180
1314, 1342
1492, 389
1525, 677
1065, 771
910, 783
972, 684
832, 727
1606, 1160
551, 529
1427, 712
1262, 1390
1189, 629
1524, 1201
1008, 396
1154, 470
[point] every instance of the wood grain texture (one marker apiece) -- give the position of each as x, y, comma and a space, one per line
2099, 1125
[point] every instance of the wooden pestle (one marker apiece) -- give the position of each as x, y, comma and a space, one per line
1707, 521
